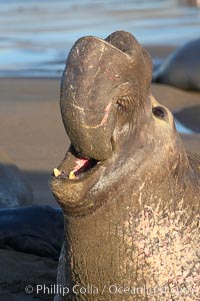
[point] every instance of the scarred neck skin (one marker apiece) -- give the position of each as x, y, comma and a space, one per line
134, 240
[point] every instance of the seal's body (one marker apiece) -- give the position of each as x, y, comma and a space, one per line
14, 188
181, 68
128, 189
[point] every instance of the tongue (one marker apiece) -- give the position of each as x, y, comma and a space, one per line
80, 163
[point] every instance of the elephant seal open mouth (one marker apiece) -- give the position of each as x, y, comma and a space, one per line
128, 189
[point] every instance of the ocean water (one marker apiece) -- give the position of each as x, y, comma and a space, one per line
36, 35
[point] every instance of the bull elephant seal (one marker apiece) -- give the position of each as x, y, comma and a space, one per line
128, 189
14, 188
181, 68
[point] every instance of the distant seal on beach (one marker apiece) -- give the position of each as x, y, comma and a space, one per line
181, 68
129, 190
32, 229
14, 188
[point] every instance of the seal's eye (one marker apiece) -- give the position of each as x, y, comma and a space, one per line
159, 112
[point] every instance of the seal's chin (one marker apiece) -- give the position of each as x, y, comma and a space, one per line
75, 167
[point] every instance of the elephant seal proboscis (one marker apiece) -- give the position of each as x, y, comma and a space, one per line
128, 189
181, 68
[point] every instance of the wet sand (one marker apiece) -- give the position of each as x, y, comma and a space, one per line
32, 133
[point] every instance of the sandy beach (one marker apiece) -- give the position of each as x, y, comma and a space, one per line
31, 130
32, 133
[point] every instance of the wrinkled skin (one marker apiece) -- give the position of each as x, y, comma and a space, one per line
131, 217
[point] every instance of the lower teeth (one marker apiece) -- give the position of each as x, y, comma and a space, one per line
72, 175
